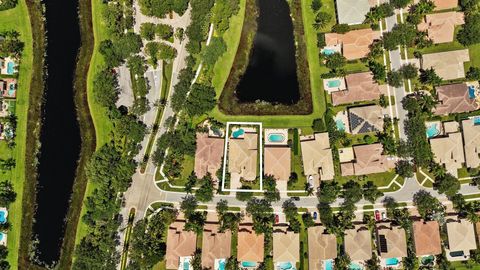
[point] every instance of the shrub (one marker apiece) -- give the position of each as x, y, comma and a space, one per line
340, 28
318, 125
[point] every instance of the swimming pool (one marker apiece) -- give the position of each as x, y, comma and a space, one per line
3, 216
476, 120
186, 265
391, 261
432, 131
328, 51
1, 236
286, 266
249, 264
237, 133
221, 264
11, 90
10, 68
334, 83
276, 137
328, 265
471, 91
355, 266
340, 125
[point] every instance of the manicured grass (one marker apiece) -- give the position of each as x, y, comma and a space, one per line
18, 19
297, 164
166, 79
380, 179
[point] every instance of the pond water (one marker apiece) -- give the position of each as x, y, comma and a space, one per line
271, 74
60, 137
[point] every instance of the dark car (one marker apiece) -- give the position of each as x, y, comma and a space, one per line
296, 198
315, 215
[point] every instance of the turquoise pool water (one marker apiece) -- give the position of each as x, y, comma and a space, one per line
3, 216
276, 137
10, 68
328, 51
391, 261
1, 236
11, 90
432, 131
471, 91
340, 125
249, 264
329, 265
476, 120
186, 265
237, 133
355, 266
286, 266
221, 264
334, 83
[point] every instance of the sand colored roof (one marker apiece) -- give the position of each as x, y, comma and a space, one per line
358, 243
250, 244
286, 247
321, 246
277, 162
450, 126
471, 138
215, 245
317, 156
352, 11
180, 243
447, 65
441, 26
448, 151
360, 87
443, 4
208, 155
242, 156
395, 241
365, 119
355, 44
368, 159
427, 238
454, 98
461, 235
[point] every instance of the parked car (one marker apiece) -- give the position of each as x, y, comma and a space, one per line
378, 217
315, 215
277, 218
384, 215
296, 198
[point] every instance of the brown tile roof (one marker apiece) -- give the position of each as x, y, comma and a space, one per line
427, 238
286, 247
365, 119
471, 137
441, 26
461, 235
449, 152
368, 159
321, 246
445, 4
215, 245
396, 242
360, 87
180, 243
250, 244
6, 84
448, 65
355, 43
277, 162
454, 98
208, 155
317, 156
242, 156
358, 243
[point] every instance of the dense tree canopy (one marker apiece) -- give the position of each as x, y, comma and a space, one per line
200, 100
105, 88
160, 8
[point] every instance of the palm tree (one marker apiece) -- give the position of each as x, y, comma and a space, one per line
309, 189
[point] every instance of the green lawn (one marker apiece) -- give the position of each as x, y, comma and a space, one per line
18, 19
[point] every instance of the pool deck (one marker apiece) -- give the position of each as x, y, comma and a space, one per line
341, 87
282, 132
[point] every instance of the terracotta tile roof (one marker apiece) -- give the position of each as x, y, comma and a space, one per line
317, 156
277, 162
250, 245
365, 119
208, 155
395, 240
352, 11
445, 4
471, 137
321, 246
286, 247
180, 243
427, 238
368, 159
441, 26
355, 44
242, 156
461, 235
454, 98
360, 87
215, 245
358, 243
448, 65
5, 85
449, 151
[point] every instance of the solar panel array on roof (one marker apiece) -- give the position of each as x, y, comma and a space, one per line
367, 127
383, 244
355, 121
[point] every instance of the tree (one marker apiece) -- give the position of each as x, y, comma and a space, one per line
401, 34
394, 78
335, 61
409, 71
222, 12
262, 214
470, 32
205, 192
316, 5
191, 181
328, 191
429, 76
352, 192
379, 12
308, 220
290, 209
200, 100
164, 31
468, 5
426, 204
373, 263
371, 192
188, 205
271, 192
473, 74
214, 50
326, 215
140, 106
147, 31
404, 168
343, 261
107, 50
447, 184
378, 70
321, 20
166, 52
128, 44
11, 45
105, 88
341, 28
245, 195
318, 125
399, 3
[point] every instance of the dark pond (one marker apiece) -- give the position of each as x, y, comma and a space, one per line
271, 73
60, 136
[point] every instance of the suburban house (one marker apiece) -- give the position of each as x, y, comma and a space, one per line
286, 246
360, 87
426, 235
4, 108
461, 239
448, 65
365, 119
250, 246
181, 245
317, 156
277, 162
366, 159
8, 65
354, 44
391, 242
242, 156
208, 155
448, 150
352, 11
358, 243
442, 4
8, 87
216, 245
440, 27
471, 138
454, 98
322, 248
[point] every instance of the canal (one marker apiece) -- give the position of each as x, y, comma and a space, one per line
60, 137
271, 74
